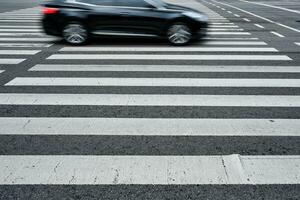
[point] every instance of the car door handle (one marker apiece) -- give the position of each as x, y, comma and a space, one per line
125, 13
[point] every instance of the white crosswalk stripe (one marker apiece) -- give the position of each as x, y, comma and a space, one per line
158, 126
221, 88
160, 169
167, 68
225, 29
172, 49
150, 100
18, 52
21, 34
24, 45
228, 33
230, 38
15, 39
19, 37
8, 61
166, 82
165, 57
20, 30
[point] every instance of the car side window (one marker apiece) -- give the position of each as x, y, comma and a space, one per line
122, 3
132, 3
98, 2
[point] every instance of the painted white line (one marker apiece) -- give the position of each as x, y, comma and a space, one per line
11, 61
237, 15
22, 34
216, 17
24, 45
20, 20
166, 57
223, 9
230, 38
23, 39
1, 71
154, 82
151, 170
151, 126
245, 19
229, 12
271, 6
277, 34
263, 18
22, 30
168, 68
229, 33
259, 26
151, 100
297, 43
223, 26
20, 15
169, 49
221, 23
224, 29
17, 15
219, 20
16, 27
18, 52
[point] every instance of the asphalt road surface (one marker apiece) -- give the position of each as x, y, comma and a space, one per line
138, 119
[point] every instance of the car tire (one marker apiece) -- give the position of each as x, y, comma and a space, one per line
75, 33
179, 34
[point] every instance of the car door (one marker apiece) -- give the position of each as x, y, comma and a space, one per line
139, 17
104, 17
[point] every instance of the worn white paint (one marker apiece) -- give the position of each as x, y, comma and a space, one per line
18, 52
272, 6
230, 38
10, 61
149, 126
24, 39
150, 100
259, 26
260, 17
165, 170
166, 57
168, 68
167, 82
24, 45
171, 49
20, 30
277, 34
228, 33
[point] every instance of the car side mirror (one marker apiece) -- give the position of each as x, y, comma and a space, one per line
152, 7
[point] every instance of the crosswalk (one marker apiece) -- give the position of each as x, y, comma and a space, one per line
106, 114
19, 41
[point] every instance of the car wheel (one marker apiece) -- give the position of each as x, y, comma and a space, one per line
179, 34
75, 33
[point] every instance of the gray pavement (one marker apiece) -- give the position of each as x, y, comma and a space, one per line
219, 119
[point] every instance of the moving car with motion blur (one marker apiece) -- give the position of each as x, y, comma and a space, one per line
78, 20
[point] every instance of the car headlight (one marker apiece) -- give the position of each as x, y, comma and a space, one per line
197, 16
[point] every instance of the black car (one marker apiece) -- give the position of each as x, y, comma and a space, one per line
77, 20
